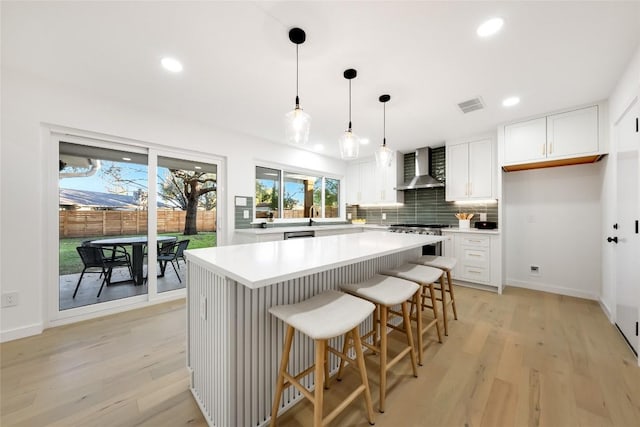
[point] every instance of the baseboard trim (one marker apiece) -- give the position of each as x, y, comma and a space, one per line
23, 332
553, 289
606, 310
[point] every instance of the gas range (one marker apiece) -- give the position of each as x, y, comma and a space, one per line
431, 229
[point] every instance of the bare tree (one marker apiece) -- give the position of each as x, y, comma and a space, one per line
186, 188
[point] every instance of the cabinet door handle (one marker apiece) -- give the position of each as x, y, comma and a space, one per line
470, 188
550, 148
544, 148
474, 271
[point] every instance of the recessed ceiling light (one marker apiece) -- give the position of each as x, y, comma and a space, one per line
511, 101
197, 167
364, 141
127, 159
171, 64
318, 147
490, 27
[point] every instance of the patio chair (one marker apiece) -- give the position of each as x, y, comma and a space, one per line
170, 252
94, 257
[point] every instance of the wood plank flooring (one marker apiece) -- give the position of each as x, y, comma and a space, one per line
525, 358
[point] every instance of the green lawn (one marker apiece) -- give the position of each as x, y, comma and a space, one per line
70, 260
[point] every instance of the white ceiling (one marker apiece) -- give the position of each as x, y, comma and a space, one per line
239, 65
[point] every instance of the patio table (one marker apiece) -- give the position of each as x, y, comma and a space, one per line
137, 258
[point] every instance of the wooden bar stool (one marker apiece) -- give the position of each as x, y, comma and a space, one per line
445, 264
321, 317
425, 277
385, 292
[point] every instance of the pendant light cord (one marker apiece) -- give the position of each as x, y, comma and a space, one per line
349, 105
297, 66
384, 124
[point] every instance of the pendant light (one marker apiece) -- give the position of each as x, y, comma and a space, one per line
384, 155
349, 141
297, 122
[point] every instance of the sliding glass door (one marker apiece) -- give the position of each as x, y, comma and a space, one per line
124, 215
186, 215
102, 224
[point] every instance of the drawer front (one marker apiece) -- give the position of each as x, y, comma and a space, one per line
474, 273
475, 256
478, 241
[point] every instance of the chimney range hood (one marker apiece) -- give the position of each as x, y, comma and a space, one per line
422, 178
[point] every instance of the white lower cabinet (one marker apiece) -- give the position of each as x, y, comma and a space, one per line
479, 257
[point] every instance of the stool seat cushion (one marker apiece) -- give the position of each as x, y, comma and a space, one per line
326, 315
385, 290
441, 262
416, 273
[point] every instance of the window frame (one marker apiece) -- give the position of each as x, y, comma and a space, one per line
284, 169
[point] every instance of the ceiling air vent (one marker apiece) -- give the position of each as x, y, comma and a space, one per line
471, 105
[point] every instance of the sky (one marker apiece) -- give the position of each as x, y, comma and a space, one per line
97, 182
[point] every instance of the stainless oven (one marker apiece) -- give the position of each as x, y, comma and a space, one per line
430, 229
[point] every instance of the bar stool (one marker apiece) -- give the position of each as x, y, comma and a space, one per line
321, 317
445, 264
385, 291
425, 277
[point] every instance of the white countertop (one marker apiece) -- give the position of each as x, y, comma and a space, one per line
470, 230
261, 264
274, 230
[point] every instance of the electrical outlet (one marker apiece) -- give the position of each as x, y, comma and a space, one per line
203, 307
384, 216
245, 214
534, 270
10, 299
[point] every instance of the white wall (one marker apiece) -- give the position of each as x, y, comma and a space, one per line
27, 103
553, 220
627, 88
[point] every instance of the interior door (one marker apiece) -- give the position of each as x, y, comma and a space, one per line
627, 251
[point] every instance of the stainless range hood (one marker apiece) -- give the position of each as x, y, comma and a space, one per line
422, 178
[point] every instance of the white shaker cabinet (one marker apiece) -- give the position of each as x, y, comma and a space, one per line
525, 141
552, 140
573, 133
470, 171
478, 256
358, 175
368, 184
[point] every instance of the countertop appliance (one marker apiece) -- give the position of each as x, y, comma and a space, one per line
429, 229
486, 225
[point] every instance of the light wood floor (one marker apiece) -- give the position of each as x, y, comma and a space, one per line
521, 359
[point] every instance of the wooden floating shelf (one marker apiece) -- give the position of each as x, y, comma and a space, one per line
553, 163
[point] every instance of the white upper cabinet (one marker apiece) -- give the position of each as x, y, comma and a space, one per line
552, 140
525, 141
368, 184
470, 171
572, 134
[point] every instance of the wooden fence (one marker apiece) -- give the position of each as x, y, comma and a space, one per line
115, 223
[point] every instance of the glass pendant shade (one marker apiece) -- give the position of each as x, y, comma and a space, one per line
384, 156
349, 145
297, 125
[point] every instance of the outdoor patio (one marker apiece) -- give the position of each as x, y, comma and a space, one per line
91, 284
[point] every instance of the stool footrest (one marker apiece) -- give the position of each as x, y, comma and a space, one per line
293, 381
399, 357
326, 420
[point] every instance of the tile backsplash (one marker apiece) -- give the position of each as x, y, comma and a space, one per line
425, 205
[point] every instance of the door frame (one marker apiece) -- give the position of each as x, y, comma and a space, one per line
52, 135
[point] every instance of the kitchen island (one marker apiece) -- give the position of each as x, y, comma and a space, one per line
234, 344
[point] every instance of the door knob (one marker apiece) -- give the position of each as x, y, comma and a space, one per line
612, 239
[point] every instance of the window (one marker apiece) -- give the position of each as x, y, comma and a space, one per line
290, 195
267, 192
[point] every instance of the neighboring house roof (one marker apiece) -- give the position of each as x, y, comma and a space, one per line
95, 199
